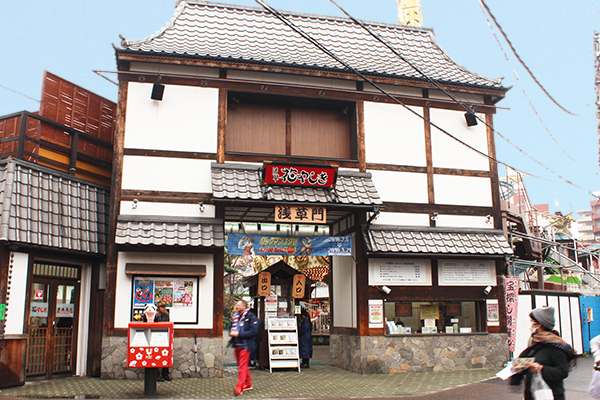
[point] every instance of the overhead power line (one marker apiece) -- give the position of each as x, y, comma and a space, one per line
283, 19
19, 93
520, 60
464, 106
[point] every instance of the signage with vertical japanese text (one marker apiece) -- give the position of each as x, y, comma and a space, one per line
298, 289
512, 298
264, 284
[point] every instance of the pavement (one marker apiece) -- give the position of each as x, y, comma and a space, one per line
320, 381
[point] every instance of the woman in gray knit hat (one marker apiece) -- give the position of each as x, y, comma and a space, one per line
552, 354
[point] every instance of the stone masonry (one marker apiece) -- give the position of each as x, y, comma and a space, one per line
418, 353
205, 360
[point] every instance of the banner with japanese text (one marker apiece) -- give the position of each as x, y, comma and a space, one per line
256, 245
512, 297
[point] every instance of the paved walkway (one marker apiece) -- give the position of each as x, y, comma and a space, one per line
319, 381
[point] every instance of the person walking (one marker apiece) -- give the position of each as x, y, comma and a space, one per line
305, 333
244, 328
551, 353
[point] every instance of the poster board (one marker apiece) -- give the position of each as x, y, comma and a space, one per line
399, 272
179, 293
466, 273
492, 312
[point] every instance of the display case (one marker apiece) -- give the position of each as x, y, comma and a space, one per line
283, 343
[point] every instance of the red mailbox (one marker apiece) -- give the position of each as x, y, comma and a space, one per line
150, 345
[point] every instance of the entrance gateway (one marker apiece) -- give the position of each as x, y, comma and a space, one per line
52, 318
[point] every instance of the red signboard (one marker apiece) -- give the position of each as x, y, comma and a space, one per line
310, 175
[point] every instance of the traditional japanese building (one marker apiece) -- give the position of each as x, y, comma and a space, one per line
55, 173
214, 100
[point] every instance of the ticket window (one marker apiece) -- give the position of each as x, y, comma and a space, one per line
433, 317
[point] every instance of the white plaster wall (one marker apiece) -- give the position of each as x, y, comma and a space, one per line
291, 79
174, 69
462, 190
402, 219
447, 152
167, 209
406, 187
84, 319
166, 174
205, 285
16, 305
464, 221
185, 120
394, 135
393, 89
344, 292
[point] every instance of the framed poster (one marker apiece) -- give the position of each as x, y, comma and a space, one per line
493, 317
376, 318
180, 295
403, 309
453, 309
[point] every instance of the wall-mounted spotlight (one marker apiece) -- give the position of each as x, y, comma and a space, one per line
385, 289
470, 118
235, 100
487, 290
201, 205
134, 204
346, 110
158, 89
434, 217
488, 219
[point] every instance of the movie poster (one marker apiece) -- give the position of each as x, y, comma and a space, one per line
163, 291
183, 292
143, 293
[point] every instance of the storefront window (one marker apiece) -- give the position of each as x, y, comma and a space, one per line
404, 317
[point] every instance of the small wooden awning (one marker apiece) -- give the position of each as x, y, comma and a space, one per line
165, 269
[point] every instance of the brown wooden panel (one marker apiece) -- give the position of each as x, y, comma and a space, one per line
165, 269
255, 128
320, 133
12, 370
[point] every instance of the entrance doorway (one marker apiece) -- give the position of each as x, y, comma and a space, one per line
52, 322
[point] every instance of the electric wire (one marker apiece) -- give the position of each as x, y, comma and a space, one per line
520, 60
524, 93
283, 19
24, 95
468, 109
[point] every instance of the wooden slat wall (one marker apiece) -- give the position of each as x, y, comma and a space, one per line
76, 107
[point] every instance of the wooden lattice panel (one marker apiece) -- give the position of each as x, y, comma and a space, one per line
36, 351
63, 350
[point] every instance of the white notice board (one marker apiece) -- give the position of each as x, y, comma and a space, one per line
466, 273
399, 272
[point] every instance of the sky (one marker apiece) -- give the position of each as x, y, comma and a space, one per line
72, 38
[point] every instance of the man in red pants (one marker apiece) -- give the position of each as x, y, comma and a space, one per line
244, 328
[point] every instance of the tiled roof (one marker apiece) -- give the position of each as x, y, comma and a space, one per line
169, 231
253, 35
410, 240
240, 181
42, 207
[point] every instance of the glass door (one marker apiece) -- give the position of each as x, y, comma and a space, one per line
52, 327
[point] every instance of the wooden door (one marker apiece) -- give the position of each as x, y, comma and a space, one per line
52, 329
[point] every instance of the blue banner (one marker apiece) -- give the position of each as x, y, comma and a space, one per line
257, 245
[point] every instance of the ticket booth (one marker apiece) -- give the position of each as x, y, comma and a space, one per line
280, 302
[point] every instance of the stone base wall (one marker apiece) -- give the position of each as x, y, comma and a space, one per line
418, 353
205, 360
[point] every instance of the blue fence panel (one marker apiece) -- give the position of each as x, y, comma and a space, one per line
589, 329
